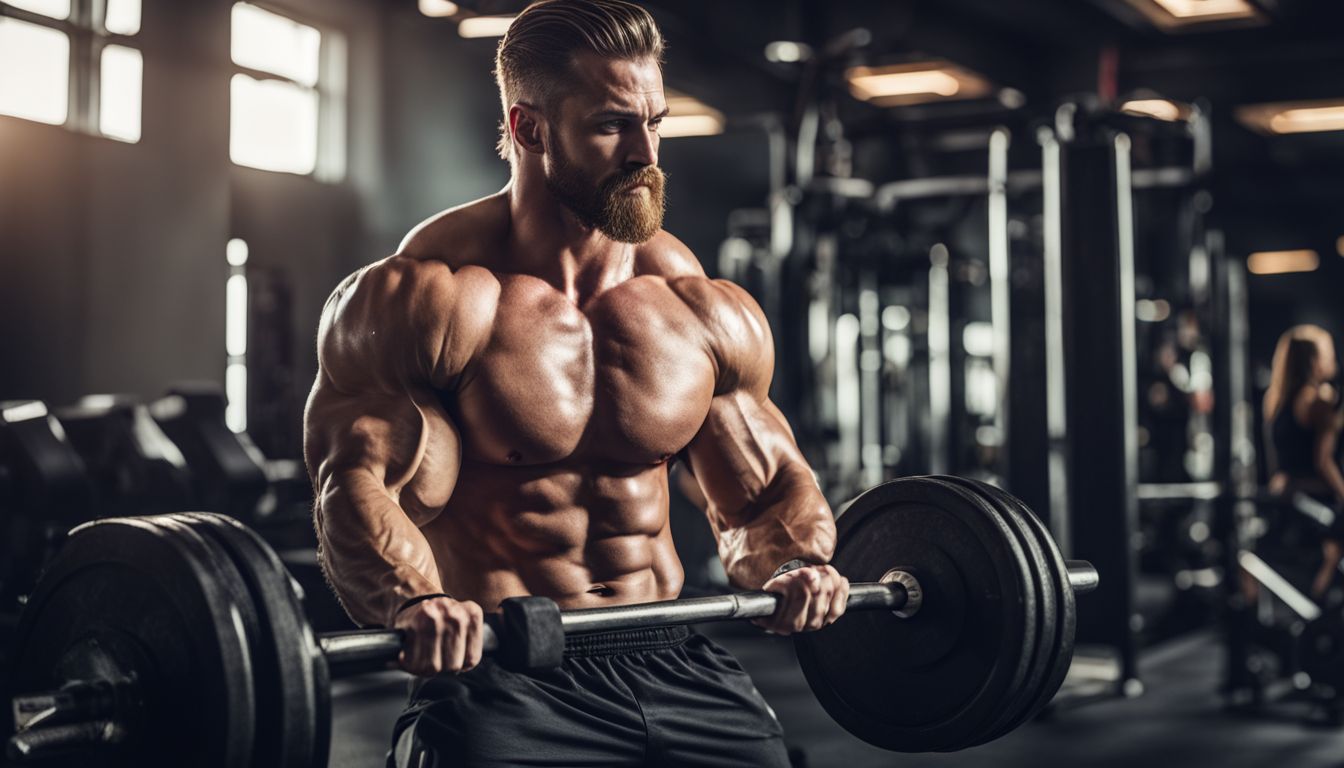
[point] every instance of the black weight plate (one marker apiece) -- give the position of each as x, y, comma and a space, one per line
1041, 587
262, 666
218, 562
293, 690
935, 681
1066, 621
1049, 628
131, 589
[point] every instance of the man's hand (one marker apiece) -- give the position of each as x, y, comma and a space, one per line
810, 598
442, 635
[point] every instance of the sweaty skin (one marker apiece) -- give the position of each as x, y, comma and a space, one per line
494, 418
496, 437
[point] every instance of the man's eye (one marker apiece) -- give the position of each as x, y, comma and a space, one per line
655, 122
613, 125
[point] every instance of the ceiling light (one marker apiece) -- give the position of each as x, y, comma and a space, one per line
787, 51
1161, 109
688, 116
1176, 14
675, 126
438, 8
906, 84
1279, 262
1192, 9
1304, 120
1293, 117
484, 26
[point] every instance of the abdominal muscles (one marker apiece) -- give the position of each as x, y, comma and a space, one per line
586, 535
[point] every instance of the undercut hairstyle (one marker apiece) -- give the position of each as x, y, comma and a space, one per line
536, 55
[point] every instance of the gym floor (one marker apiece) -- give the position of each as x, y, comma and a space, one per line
1178, 721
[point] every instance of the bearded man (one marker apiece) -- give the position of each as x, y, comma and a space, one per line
495, 412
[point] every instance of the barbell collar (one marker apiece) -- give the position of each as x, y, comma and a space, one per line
1083, 578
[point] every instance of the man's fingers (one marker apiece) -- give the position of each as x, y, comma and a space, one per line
838, 600
824, 590
473, 637
781, 619
442, 635
804, 599
453, 639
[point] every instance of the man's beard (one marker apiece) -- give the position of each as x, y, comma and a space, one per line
609, 207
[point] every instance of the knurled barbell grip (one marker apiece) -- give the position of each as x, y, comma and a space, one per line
357, 650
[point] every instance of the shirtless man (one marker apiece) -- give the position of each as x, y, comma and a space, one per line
495, 412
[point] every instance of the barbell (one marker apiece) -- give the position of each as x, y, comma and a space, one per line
181, 640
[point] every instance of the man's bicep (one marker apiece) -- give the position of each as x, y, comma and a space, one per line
405, 442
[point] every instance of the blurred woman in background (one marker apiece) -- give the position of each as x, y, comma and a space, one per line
1302, 424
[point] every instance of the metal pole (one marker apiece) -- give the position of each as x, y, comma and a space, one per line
1000, 289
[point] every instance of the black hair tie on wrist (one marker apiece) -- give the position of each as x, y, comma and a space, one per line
419, 599
792, 565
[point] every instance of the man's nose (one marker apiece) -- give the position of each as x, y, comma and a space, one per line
643, 149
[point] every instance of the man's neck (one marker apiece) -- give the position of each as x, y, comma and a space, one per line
546, 240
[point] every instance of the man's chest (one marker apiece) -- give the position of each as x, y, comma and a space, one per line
628, 378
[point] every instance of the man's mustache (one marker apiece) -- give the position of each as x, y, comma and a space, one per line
650, 175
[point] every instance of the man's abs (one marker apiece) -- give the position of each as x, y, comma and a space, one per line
585, 534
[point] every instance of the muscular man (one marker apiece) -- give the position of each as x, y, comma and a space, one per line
495, 412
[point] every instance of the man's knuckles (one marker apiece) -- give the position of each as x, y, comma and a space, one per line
441, 616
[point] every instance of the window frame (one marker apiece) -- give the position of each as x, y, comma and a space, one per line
88, 36
332, 73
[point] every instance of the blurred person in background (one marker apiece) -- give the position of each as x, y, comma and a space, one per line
1302, 424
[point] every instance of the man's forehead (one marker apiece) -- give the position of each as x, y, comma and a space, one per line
622, 83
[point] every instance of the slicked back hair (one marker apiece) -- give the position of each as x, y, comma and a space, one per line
535, 56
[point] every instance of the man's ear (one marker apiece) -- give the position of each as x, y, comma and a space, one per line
525, 125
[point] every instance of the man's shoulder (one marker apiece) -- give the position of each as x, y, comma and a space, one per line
405, 317
461, 235
737, 331
665, 256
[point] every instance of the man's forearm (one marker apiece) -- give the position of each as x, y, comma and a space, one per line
372, 554
791, 520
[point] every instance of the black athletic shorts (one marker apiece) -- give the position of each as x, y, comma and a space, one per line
656, 697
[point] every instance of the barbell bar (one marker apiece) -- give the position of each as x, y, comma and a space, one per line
356, 649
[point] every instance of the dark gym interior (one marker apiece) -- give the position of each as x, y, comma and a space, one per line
1077, 250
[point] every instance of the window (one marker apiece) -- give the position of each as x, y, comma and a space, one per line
74, 63
34, 72
56, 9
119, 116
235, 336
287, 95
